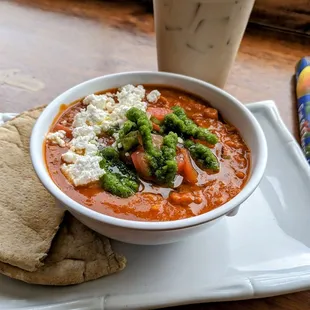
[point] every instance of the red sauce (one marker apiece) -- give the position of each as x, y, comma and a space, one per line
155, 203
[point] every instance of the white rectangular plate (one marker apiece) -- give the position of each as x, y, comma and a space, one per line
262, 251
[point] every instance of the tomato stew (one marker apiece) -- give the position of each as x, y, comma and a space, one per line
196, 191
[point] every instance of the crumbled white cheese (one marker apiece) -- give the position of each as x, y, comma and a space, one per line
84, 139
115, 135
92, 148
101, 113
99, 101
69, 157
130, 93
180, 140
97, 129
57, 137
80, 119
130, 96
85, 170
84, 131
95, 116
89, 116
153, 96
84, 143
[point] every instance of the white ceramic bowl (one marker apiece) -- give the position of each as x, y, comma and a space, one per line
153, 232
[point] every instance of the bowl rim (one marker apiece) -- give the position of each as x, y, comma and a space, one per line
55, 191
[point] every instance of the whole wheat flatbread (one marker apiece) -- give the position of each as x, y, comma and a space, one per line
77, 255
29, 218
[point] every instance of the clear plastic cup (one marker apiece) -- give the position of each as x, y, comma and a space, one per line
200, 38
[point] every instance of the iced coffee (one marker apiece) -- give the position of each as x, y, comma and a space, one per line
200, 38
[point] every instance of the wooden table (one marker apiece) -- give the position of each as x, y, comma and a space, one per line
47, 46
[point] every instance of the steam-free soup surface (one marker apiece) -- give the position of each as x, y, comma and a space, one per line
153, 202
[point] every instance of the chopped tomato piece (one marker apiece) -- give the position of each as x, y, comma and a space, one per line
64, 128
156, 127
159, 113
189, 172
140, 162
180, 162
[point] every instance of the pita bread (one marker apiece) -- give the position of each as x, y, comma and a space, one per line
77, 255
29, 218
